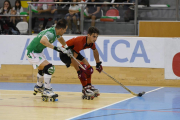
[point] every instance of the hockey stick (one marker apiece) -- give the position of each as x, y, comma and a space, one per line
139, 95
78, 62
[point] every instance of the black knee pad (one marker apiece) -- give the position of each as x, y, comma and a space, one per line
49, 69
65, 59
80, 57
41, 72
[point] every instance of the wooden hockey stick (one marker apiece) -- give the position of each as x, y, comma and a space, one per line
78, 62
139, 95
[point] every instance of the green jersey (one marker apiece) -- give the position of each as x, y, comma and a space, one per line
35, 45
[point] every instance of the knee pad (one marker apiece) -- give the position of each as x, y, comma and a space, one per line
89, 71
82, 75
85, 66
41, 72
80, 57
49, 69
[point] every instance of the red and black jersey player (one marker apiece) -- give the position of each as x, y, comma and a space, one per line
77, 44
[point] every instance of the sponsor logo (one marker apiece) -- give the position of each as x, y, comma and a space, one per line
176, 64
139, 51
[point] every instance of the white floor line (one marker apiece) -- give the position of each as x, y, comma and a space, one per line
112, 104
154, 90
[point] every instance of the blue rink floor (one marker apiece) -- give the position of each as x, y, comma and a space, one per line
159, 103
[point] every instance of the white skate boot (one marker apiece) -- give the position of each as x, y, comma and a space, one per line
48, 94
38, 89
87, 93
96, 91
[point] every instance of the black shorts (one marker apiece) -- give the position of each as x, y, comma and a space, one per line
67, 60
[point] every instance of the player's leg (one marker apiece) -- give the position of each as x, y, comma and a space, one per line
39, 87
48, 70
45, 68
86, 91
89, 73
67, 60
40, 75
34, 59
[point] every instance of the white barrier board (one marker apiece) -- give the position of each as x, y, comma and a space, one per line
114, 51
172, 59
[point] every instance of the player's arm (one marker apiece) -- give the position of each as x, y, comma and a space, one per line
46, 42
62, 41
69, 51
99, 67
96, 55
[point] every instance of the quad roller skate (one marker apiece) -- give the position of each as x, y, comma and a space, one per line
87, 93
96, 91
38, 89
49, 95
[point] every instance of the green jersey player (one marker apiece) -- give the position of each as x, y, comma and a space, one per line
36, 56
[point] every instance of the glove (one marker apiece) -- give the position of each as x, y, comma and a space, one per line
64, 50
81, 75
69, 53
60, 49
99, 67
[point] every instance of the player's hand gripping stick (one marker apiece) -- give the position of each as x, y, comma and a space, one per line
99, 67
65, 50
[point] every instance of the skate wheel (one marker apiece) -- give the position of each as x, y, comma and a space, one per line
52, 99
34, 93
45, 99
83, 97
88, 98
92, 97
96, 95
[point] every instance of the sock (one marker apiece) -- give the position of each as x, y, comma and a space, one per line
39, 80
84, 83
89, 79
47, 81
